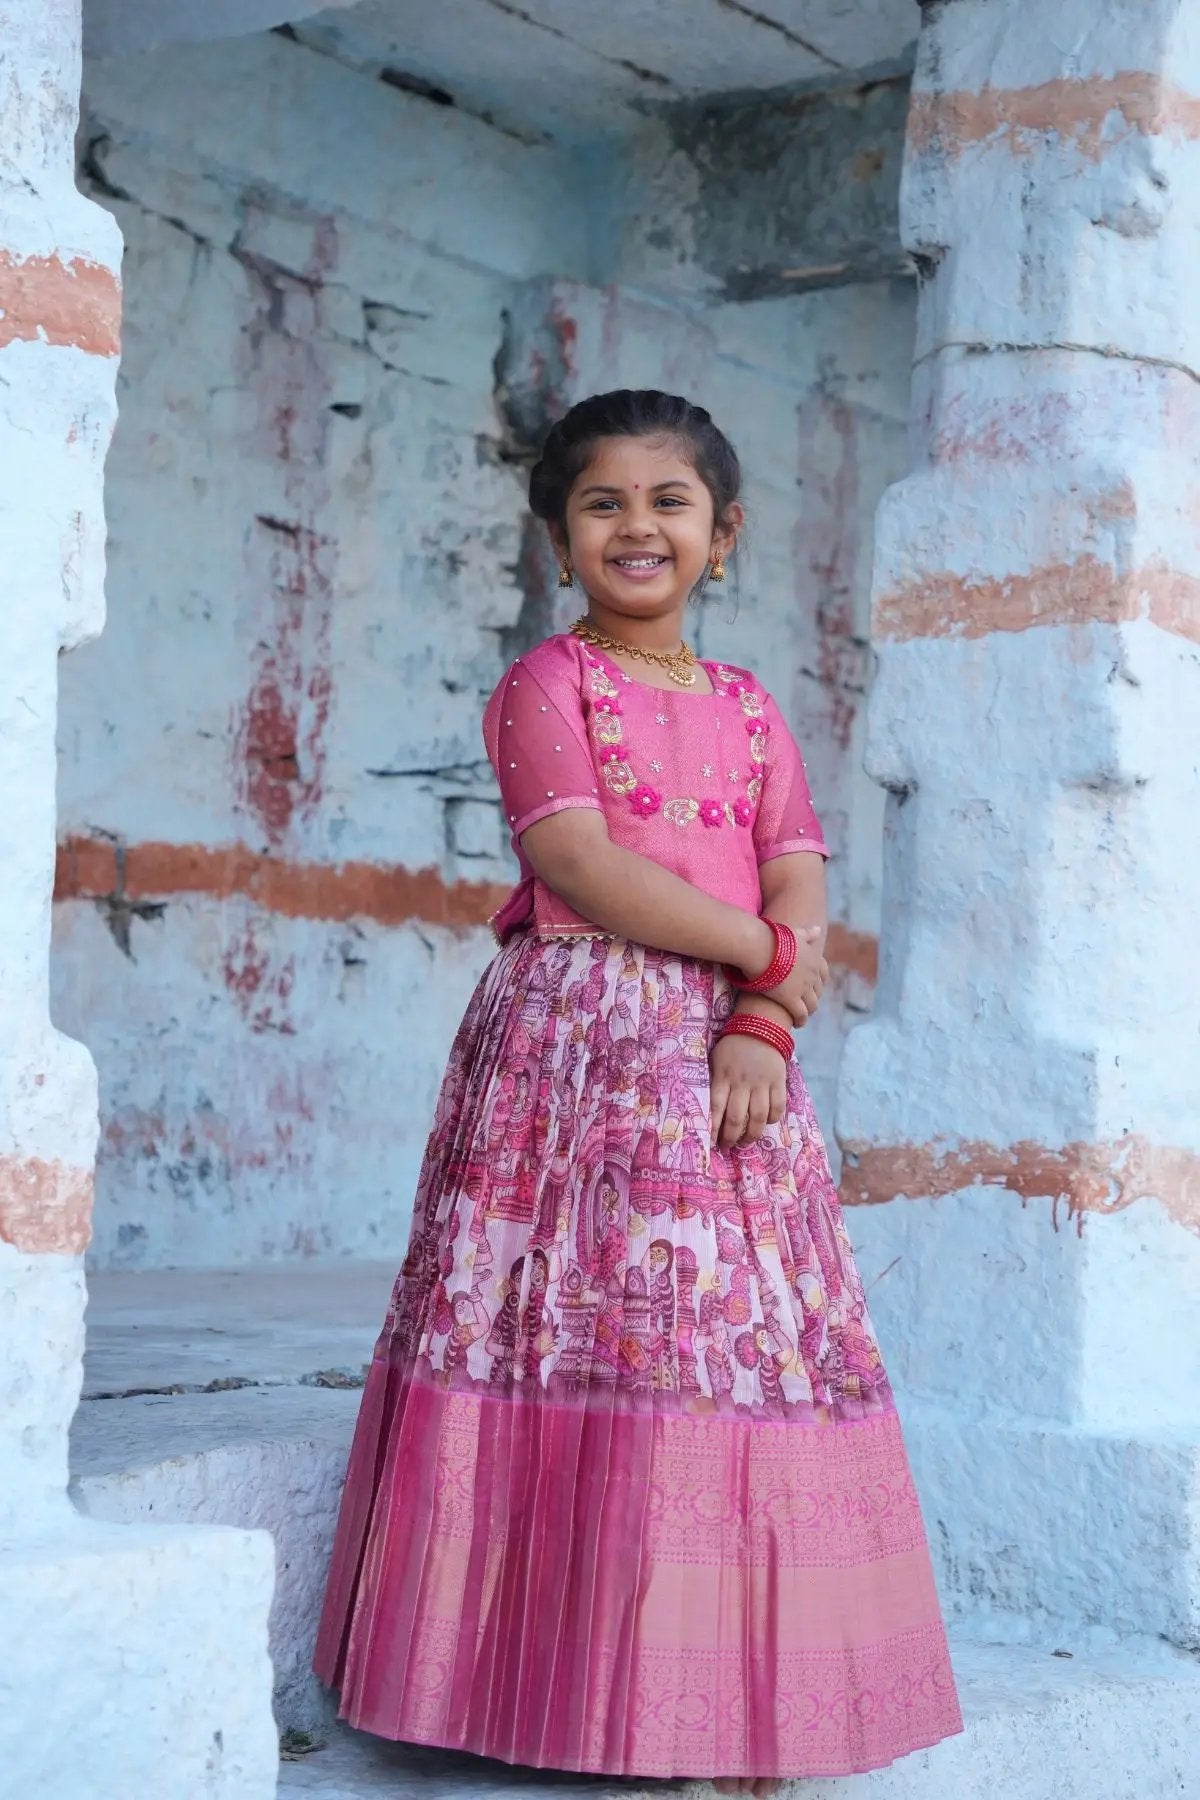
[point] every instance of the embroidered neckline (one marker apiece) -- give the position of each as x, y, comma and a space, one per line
618, 771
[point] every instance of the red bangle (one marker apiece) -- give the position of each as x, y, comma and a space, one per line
779, 967
766, 1030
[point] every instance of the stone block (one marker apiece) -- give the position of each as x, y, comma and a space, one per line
261, 1459
134, 1662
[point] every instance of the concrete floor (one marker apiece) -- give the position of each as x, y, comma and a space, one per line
184, 1330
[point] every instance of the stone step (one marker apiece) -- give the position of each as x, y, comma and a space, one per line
1104, 1726
272, 1457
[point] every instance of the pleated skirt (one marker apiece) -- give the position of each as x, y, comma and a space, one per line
628, 1492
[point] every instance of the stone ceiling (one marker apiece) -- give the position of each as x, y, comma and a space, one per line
568, 68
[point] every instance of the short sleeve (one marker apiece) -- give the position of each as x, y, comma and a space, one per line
786, 820
537, 743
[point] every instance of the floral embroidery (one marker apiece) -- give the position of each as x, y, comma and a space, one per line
620, 777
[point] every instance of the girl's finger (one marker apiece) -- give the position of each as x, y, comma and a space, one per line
737, 1111
760, 1106
778, 1100
718, 1096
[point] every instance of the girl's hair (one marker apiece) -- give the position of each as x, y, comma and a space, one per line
631, 412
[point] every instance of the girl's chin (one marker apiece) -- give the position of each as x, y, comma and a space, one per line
635, 594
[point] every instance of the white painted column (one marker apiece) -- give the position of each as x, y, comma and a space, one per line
59, 321
131, 1661
1021, 1116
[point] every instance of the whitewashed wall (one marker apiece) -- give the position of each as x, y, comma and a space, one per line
348, 312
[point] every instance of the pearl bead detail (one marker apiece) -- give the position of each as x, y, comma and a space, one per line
549, 793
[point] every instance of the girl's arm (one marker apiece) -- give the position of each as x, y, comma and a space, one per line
632, 896
793, 889
749, 1080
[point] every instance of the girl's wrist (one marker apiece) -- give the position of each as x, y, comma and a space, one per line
766, 1009
758, 949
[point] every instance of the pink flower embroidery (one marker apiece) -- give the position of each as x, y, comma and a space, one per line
757, 771
645, 800
609, 753
753, 725
609, 704
737, 689
712, 812
743, 812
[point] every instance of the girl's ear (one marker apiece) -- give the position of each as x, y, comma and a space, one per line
558, 541
725, 535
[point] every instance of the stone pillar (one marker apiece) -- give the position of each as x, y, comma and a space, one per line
1021, 1115
59, 319
113, 1643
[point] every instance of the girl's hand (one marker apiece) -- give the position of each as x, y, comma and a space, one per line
800, 994
748, 1090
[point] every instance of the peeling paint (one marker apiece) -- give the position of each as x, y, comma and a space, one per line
1083, 592
1088, 112
1088, 1177
74, 303
45, 1205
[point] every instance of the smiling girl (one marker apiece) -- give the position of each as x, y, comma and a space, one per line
628, 1491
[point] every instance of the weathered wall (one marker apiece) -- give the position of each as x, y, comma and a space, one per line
279, 831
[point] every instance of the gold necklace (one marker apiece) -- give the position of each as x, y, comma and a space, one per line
680, 664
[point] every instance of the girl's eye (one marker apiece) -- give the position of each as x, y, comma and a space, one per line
672, 500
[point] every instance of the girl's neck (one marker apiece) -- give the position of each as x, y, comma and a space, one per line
662, 633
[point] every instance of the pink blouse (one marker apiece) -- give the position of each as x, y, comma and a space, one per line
709, 785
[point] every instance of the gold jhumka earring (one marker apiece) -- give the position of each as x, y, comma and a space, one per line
717, 567
565, 577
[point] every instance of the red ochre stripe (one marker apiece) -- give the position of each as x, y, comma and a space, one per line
1090, 112
76, 303
1101, 1177
95, 868
45, 1206
1085, 592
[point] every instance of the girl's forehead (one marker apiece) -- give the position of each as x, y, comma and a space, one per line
637, 461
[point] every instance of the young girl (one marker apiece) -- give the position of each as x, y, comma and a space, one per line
628, 1492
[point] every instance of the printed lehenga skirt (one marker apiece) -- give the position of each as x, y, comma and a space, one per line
628, 1492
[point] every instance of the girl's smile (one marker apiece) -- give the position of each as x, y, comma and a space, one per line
641, 568
640, 534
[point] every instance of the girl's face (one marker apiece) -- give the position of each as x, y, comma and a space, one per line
640, 529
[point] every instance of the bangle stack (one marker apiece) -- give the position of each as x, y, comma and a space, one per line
779, 967
766, 1030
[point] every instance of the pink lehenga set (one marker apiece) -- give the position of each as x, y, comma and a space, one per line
628, 1492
